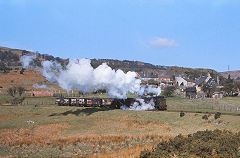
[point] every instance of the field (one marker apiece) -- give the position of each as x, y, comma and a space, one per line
225, 105
50, 130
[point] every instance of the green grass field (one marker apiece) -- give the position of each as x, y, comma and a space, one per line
227, 104
75, 131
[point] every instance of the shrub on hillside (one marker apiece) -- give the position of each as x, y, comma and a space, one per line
20, 90
168, 91
17, 101
12, 91
215, 143
182, 114
217, 115
205, 117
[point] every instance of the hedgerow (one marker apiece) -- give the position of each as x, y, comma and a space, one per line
215, 143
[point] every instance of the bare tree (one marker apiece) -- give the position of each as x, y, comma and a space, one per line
12, 91
20, 90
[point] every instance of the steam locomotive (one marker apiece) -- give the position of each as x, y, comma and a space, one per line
159, 102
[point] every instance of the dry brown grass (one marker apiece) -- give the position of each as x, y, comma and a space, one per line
104, 139
14, 77
11, 116
146, 124
38, 136
6, 117
129, 124
49, 135
126, 153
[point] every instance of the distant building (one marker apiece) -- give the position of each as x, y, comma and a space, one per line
42, 93
190, 84
191, 92
181, 81
164, 78
205, 80
146, 76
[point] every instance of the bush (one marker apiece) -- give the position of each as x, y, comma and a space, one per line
205, 117
22, 71
182, 114
215, 143
168, 91
20, 90
217, 115
12, 91
17, 101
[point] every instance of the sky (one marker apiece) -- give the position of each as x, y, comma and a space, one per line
186, 33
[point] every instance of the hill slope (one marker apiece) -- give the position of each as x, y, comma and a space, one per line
233, 74
11, 58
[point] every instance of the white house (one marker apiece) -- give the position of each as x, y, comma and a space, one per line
181, 81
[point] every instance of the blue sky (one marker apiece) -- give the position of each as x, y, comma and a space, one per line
188, 33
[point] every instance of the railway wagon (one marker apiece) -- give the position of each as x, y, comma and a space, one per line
160, 102
82, 102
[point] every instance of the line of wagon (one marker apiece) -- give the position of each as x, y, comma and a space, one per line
159, 102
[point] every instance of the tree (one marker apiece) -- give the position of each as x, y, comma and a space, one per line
237, 85
12, 91
20, 90
208, 90
153, 82
229, 86
173, 77
22, 71
4, 68
229, 77
168, 91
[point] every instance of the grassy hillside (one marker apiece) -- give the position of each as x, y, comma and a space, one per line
75, 131
233, 74
124, 65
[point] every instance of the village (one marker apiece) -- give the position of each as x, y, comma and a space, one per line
204, 86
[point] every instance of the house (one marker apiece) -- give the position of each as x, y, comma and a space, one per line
146, 76
191, 92
190, 84
205, 80
164, 78
181, 81
42, 93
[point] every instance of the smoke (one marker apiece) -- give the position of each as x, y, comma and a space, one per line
26, 60
149, 90
140, 105
42, 87
80, 75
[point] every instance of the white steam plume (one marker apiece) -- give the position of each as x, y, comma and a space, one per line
26, 60
148, 89
140, 105
79, 74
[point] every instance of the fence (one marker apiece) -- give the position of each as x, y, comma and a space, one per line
39, 101
206, 105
